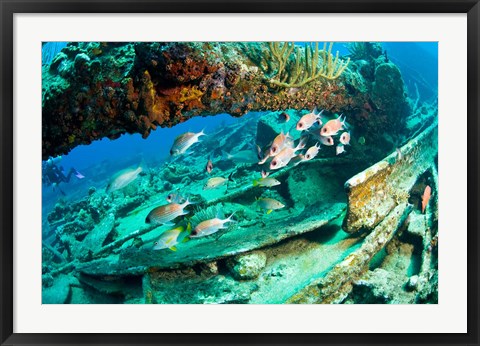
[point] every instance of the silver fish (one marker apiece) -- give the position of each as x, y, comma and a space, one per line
123, 178
164, 214
183, 142
211, 226
269, 204
170, 238
243, 156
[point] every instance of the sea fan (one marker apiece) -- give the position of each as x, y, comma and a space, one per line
50, 49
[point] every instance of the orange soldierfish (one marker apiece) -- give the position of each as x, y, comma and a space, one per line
328, 141
332, 127
285, 155
280, 142
426, 197
312, 152
308, 120
345, 138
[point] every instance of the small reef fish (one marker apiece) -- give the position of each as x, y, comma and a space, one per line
174, 197
123, 178
285, 117
260, 152
183, 142
308, 120
297, 159
345, 138
266, 182
280, 142
265, 159
332, 127
340, 149
172, 237
283, 157
243, 156
215, 182
426, 197
211, 226
209, 166
328, 141
269, 204
311, 152
164, 214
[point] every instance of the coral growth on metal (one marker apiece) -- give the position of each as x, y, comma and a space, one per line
98, 89
373, 193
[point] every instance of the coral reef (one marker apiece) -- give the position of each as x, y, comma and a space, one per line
104, 89
260, 258
363, 241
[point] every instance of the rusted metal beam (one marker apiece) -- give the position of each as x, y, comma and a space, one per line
335, 286
373, 193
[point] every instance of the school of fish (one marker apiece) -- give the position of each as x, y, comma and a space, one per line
281, 152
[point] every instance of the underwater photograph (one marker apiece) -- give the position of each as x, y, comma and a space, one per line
239, 172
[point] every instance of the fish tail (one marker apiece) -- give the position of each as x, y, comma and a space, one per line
255, 182
187, 202
301, 144
229, 219
230, 177
143, 165
344, 123
226, 156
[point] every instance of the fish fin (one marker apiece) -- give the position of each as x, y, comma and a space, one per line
255, 182
173, 248
185, 239
188, 201
229, 219
230, 177
169, 224
344, 123
269, 211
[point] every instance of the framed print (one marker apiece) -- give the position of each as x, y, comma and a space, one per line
239, 173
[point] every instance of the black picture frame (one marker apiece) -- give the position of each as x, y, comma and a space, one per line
9, 8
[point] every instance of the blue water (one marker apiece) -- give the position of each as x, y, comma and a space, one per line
122, 226
418, 62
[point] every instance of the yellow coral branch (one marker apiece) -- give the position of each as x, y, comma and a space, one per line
304, 69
